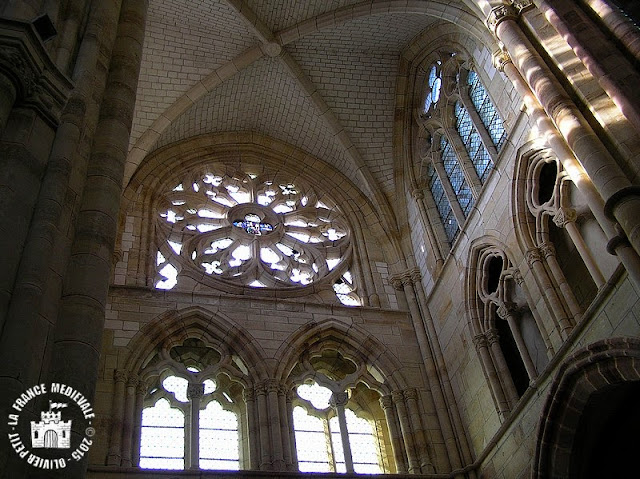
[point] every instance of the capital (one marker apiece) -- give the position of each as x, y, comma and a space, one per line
339, 399
480, 341
564, 216
499, 14
411, 394
119, 375
195, 390
500, 59
547, 249
492, 336
507, 309
248, 395
132, 381
532, 256
386, 401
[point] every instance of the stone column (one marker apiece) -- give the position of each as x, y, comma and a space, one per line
549, 253
566, 218
464, 160
418, 195
278, 463
129, 420
575, 27
141, 391
504, 373
338, 402
292, 433
252, 427
8, 96
285, 427
432, 377
618, 242
195, 392
386, 402
422, 452
481, 344
561, 318
371, 294
263, 426
622, 199
509, 312
77, 339
621, 26
114, 456
407, 436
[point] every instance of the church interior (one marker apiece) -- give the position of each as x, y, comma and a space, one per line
278, 238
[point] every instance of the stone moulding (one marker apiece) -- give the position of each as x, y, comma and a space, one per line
24, 61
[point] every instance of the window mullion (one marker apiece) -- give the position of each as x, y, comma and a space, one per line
195, 391
478, 124
468, 170
448, 189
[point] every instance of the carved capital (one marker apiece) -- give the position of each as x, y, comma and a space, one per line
272, 386
195, 390
120, 376
499, 14
480, 341
142, 388
517, 276
26, 64
386, 402
339, 399
248, 395
500, 59
132, 381
564, 216
522, 6
398, 397
547, 249
418, 194
532, 256
507, 309
411, 394
492, 336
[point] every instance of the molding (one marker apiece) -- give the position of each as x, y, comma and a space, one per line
39, 83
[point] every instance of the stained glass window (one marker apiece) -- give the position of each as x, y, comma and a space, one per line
486, 110
456, 176
319, 442
219, 438
162, 440
434, 83
473, 144
162, 437
442, 204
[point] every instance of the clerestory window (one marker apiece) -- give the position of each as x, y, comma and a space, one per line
467, 134
330, 437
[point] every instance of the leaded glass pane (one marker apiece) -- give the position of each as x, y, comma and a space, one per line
162, 437
456, 177
478, 154
487, 110
442, 204
311, 442
219, 442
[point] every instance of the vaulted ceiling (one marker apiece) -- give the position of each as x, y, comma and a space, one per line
318, 74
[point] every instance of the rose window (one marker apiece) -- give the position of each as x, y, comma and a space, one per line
250, 229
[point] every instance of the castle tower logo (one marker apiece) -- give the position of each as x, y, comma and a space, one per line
64, 431
51, 432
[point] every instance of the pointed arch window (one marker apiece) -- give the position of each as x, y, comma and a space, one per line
472, 142
486, 110
443, 206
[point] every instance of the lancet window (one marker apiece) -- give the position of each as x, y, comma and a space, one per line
466, 134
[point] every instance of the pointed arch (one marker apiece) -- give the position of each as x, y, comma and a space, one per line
173, 327
598, 368
348, 339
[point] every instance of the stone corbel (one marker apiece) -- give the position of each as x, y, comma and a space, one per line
25, 62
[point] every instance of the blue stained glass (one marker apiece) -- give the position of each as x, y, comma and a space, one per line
443, 206
487, 110
478, 154
456, 177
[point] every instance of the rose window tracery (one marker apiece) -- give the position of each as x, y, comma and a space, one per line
249, 228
